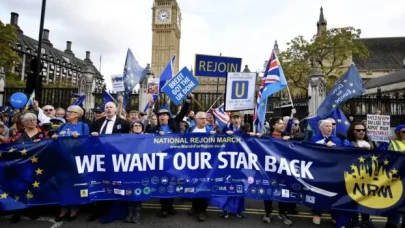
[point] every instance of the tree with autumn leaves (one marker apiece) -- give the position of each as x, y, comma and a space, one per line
330, 51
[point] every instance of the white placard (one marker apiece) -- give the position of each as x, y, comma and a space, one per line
117, 83
153, 86
240, 91
379, 127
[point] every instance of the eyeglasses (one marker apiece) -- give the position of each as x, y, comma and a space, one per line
202, 118
360, 130
136, 125
296, 124
32, 120
48, 110
71, 111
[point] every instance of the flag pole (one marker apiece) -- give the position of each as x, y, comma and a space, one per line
289, 94
216, 101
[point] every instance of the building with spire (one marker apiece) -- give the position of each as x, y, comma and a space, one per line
57, 64
387, 54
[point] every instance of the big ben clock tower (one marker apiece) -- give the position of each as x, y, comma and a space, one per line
166, 33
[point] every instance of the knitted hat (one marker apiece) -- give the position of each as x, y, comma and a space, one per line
164, 110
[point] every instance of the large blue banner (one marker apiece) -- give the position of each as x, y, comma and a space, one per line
129, 167
216, 66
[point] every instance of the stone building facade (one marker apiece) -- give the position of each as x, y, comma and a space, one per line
57, 64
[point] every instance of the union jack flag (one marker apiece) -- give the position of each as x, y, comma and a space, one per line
273, 81
221, 116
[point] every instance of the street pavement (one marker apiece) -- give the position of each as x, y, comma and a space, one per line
254, 213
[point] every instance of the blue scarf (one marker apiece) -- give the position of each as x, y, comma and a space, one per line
318, 136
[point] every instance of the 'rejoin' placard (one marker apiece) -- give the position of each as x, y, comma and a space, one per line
216, 66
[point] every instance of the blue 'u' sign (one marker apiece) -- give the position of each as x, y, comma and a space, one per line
239, 89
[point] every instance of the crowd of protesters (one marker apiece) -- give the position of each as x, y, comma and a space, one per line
47, 122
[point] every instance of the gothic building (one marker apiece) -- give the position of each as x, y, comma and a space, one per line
58, 64
387, 54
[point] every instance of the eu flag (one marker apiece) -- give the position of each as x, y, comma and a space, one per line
167, 73
342, 124
78, 99
348, 86
107, 98
132, 74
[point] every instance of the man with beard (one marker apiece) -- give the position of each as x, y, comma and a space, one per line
191, 119
168, 125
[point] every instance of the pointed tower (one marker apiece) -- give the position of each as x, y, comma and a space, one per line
322, 23
275, 48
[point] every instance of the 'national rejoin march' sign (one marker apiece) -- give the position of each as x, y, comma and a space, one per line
180, 86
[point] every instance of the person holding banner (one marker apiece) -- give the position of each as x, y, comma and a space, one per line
398, 144
199, 205
167, 125
277, 131
234, 205
326, 137
134, 208
357, 136
74, 128
110, 124
234, 126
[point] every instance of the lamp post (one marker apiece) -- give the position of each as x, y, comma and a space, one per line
38, 79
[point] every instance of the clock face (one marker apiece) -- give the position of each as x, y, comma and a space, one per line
163, 15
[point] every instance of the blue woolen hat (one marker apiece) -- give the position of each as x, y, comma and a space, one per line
399, 128
164, 110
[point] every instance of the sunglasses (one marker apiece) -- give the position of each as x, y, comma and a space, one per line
360, 130
137, 125
48, 110
295, 124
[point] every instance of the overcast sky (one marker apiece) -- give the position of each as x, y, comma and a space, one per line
238, 28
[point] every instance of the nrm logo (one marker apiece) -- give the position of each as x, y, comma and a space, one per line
372, 184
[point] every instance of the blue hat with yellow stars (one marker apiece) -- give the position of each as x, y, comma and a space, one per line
164, 110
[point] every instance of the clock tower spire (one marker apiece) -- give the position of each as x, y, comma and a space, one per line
166, 34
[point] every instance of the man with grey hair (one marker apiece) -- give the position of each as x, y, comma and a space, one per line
110, 124
45, 114
199, 205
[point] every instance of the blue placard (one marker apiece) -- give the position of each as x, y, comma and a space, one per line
216, 66
180, 86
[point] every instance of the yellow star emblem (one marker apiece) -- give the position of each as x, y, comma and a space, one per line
353, 166
394, 171
346, 122
34, 160
36, 184
339, 120
345, 80
374, 157
351, 84
354, 91
29, 195
361, 159
386, 162
11, 150
16, 198
24, 152
39, 171
4, 195
334, 105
